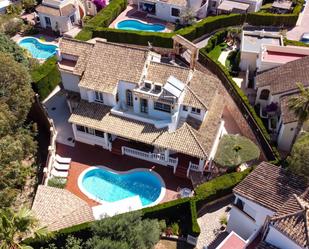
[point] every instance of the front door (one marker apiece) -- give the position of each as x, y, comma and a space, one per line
47, 22
144, 106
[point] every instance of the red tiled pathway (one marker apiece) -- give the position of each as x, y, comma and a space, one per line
84, 156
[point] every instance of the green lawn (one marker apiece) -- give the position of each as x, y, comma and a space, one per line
215, 53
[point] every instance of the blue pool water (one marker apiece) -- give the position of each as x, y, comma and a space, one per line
37, 49
109, 186
137, 25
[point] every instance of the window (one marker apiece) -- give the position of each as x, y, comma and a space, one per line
80, 128
99, 133
162, 107
99, 97
147, 85
89, 130
196, 110
175, 12
157, 88
144, 105
47, 21
129, 97
72, 18
185, 108
264, 94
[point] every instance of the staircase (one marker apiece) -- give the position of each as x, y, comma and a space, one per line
182, 167
116, 147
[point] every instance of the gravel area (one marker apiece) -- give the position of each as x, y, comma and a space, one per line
210, 223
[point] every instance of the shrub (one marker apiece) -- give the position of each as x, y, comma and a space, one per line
268, 19
46, 77
294, 43
12, 26
57, 182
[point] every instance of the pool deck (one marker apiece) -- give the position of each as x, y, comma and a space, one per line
84, 156
131, 12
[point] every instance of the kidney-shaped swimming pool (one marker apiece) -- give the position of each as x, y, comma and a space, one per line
101, 183
141, 26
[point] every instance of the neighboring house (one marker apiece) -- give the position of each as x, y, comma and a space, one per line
239, 6
261, 195
282, 6
60, 16
251, 42
3, 5
133, 104
272, 56
170, 10
274, 88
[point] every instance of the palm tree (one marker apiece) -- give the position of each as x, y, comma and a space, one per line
14, 227
299, 104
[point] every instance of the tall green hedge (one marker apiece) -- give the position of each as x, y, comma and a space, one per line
46, 77
294, 43
268, 19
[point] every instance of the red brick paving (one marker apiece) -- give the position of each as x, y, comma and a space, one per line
84, 156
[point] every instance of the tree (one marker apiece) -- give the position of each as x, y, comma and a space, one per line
125, 231
10, 47
234, 150
298, 162
187, 16
299, 104
16, 226
28, 5
16, 141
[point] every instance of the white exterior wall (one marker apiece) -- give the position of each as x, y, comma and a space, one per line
286, 135
185, 114
215, 144
248, 59
70, 81
122, 87
84, 93
243, 225
164, 11
279, 240
64, 23
88, 138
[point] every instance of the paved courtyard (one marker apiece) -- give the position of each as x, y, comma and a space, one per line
210, 225
302, 25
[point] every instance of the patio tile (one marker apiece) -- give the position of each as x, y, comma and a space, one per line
84, 156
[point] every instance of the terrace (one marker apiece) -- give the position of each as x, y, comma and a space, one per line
85, 156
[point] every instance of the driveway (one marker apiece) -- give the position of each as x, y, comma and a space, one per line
302, 25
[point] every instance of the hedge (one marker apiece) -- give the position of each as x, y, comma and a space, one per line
46, 77
294, 43
184, 210
268, 19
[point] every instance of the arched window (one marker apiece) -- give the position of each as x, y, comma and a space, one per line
129, 98
264, 94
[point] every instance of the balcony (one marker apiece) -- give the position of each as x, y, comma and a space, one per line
67, 65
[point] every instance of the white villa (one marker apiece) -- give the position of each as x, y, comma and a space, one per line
126, 100
270, 205
63, 15
169, 10
274, 89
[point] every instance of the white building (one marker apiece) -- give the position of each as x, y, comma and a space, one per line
251, 43
133, 104
258, 200
274, 89
3, 5
62, 15
170, 10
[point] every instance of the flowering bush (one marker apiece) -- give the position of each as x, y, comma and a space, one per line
100, 4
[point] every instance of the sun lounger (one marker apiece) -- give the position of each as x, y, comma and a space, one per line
57, 173
61, 159
61, 166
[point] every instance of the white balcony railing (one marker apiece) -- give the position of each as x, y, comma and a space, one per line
194, 167
148, 156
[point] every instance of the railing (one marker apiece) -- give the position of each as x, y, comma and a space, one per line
51, 152
148, 156
194, 167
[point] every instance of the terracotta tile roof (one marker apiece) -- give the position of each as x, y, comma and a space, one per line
48, 10
74, 47
287, 115
292, 219
67, 9
284, 78
265, 245
270, 186
201, 90
181, 3
98, 117
58, 208
184, 140
209, 128
159, 72
108, 63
